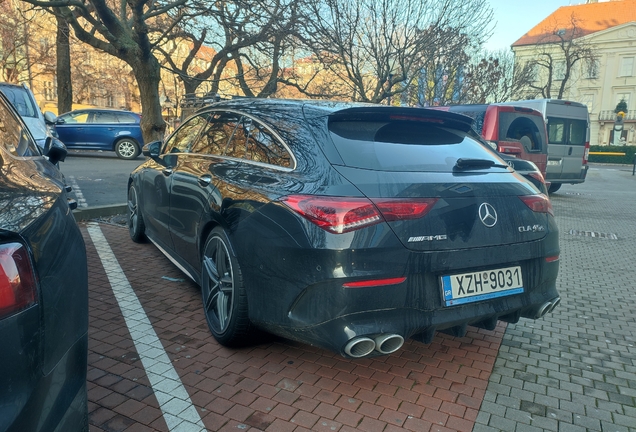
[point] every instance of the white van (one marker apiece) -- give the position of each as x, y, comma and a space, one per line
568, 125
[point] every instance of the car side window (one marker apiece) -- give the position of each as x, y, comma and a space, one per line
238, 141
125, 118
183, 139
80, 117
556, 131
263, 146
104, 117
216, 134
15, 138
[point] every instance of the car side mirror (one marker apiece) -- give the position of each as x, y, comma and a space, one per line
55, 150
152, 149
50, 118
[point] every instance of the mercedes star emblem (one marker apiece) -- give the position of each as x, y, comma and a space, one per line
488, 215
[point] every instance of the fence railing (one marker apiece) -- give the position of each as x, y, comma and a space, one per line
611, 115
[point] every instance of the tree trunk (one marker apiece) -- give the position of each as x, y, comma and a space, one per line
63, 50
148, 75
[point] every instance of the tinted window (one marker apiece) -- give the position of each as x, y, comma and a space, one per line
263, 146
238, 138
403, 145
181, 141
525, 128
126, 118
14, 138
104, 117
556, 130
217, 133
21, 100
577, 132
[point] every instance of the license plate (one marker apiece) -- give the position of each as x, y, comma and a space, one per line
483, 285
554, 162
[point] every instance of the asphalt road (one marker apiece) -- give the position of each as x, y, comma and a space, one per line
98, 178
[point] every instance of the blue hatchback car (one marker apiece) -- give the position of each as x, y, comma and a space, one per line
101, 129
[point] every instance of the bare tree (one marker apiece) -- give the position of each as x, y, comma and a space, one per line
234, 33
495, 77
19, 52
123, 30
375, 45
63, 67
558, 52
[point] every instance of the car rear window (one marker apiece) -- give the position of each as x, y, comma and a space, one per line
403, 145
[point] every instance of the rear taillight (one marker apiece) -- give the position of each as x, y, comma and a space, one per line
538, 203
17, 283
586, 153
537, 176
343, 214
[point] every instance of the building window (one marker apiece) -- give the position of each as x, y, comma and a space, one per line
110, 100
559, 70
591, 68
588, 99
627, 66
50, 91
622, 96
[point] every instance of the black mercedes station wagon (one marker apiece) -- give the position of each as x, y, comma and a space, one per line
346, 226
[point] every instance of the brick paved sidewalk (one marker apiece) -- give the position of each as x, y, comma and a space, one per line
575, 369
276, 386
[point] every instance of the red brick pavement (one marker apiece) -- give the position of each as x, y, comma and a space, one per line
276, 386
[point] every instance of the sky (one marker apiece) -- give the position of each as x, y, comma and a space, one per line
514, 18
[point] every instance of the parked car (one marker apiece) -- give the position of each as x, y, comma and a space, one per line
22, 99
568, 125
348, 226
514, 131
43, 288
101, 129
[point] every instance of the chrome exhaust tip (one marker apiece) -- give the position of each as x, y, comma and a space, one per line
544, 309
554, 304
359, 347
388, 343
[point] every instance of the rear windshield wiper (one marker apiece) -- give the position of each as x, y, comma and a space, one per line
463, 164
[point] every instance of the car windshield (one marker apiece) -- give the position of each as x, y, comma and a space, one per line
20, 99
404, 145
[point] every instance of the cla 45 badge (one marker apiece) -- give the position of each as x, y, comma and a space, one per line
531, 228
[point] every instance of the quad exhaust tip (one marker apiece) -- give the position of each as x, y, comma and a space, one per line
548, 307
363, 346
388, 343
359, 347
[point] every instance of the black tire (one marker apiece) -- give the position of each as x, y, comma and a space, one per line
136, 225
554, 187
127, 148
224, 296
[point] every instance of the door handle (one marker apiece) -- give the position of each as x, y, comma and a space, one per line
204, 180
166, 171
570, 152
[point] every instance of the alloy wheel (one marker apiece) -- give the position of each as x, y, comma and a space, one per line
217, 285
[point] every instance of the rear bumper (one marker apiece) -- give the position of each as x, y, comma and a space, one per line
327, 315
575, 180
421, 324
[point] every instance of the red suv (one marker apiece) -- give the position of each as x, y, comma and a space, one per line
513, 130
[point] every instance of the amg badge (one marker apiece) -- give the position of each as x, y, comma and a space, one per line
427, 238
